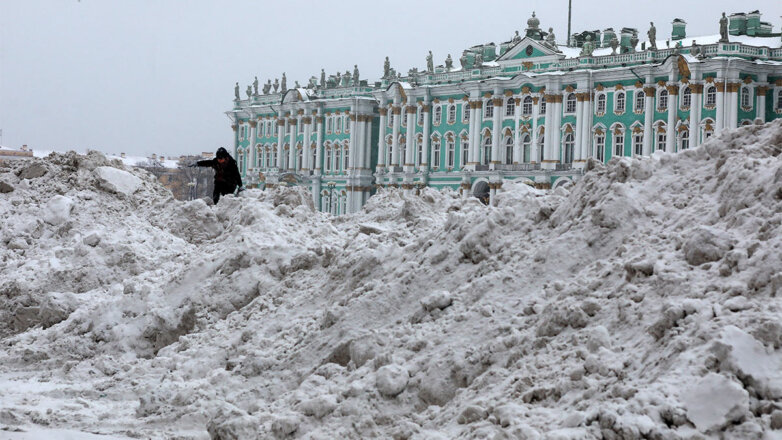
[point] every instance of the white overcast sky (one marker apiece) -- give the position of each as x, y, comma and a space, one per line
156, 76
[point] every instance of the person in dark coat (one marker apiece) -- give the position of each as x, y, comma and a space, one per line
227, 177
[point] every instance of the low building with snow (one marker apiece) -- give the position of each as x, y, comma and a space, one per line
7, 153
528, 110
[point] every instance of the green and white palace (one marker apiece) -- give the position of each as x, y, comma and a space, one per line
528, 110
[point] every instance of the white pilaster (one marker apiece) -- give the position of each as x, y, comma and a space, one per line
395, 135
534, 153
382, 149
282, 127
696, 106
319, 143
496, 129
427, 132
410, 138
673, 107
720, 122
517, 133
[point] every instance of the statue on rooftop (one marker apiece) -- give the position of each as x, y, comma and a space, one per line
356, 82
339, 79
430, 62
516, 38
695, 50
255, 86
463, 60
478, 60
267, 87
449, 62
588, 47
323, 78
652, 34
614, 44
276, 84
551, 39
249, 91
296, 85
633, 41
346, 78
723, 29
284, 83
236, 92
386, 68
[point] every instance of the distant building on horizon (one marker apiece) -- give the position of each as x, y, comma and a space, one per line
526, 110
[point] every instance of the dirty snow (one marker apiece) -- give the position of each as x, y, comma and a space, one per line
643, 302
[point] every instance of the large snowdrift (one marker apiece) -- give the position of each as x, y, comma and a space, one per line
642, 303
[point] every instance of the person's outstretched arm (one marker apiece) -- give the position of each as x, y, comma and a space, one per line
205, 163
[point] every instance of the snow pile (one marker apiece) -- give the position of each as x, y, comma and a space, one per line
641, 303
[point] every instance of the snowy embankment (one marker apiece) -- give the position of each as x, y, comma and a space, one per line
641, 303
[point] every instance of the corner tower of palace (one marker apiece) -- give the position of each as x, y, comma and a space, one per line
530, 110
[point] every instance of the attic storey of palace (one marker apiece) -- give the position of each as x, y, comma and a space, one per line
527, 101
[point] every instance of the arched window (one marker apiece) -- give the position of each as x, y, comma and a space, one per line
343, 204
329, 124
569, 146
488, 109
543, 105
638, 144
662, 101
402, 153
619, 143
711, 96
451, 114
258, 156
419, 146
600, 146
686, 98
465, 152
486, 151
314, 159
274, 156
451, 153
541, 139
570, 106
466, 112
337, 154
640, 97
420, 117
325, 203
438, 114
662, 138
300, 158
286, 157
509, 150
345, 159
510, 107
526, 106
620, 102
436, 154
779, 100
526, 143
601, 104
347, 124
746, 101
390, 154
684, 138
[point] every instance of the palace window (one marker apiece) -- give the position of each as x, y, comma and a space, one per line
526, 143
638, 144
686, 98
600, 146
639, 100
345, 159
684, 138
314, 158
451, 113
486, 151
420, 117
390, 121
662, 101
300, 159
509, 151
274, 156
258, 156
465, 152
438, 114
390, 154
711, 96
543, 105
570, 106
344, 204
466, 112
339, 124
746, 101
347, 124
526, 106
601, 104
402, 154
488, 109
285, 159
619, 144
332, 157
661, 139
436, 154
301, 127
329, 124
419, 145
451, 154
779, 100
541, 139
510, 107
620, 102
569, 146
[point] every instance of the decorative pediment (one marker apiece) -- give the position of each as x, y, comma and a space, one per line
527, 48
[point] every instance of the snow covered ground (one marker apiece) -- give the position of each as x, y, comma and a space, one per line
643, 302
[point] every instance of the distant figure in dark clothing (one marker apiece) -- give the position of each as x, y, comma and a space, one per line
227, 177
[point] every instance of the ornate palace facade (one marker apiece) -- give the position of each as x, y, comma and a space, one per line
528, 110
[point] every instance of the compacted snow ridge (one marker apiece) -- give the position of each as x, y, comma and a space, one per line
642, 302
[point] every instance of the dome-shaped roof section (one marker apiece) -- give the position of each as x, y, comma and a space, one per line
533, 22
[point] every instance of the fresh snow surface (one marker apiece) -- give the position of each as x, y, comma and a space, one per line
642, 302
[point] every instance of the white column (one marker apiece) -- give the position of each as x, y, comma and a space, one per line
307, 156
352, 140
760, 106
319, 143
517, 133
649, 96
410, 137
366, 141
586, 134
292, 151
382, 151
695, 114
556, 135
734, 105
579, 131
471, 135
427, 132
720, 122
673, 107
549, 131
496, 131
395, 135
282, 125
534, 153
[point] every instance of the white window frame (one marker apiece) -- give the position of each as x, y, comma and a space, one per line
621, 138
436, 154
600, 146
451, 114
638, 143
601, 104
488, 109
686, 99
465, 146
509, 150
662, 100
466, 112
746, 91
639, 99
438, 114
510, 107
526, 106
568, 141
620, 102
450, 158
570, 100
710, 97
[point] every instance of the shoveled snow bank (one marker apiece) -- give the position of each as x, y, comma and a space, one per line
618, 309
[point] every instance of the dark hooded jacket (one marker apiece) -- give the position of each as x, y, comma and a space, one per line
227, 176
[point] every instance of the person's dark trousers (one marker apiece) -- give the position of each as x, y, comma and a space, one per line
222, 189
